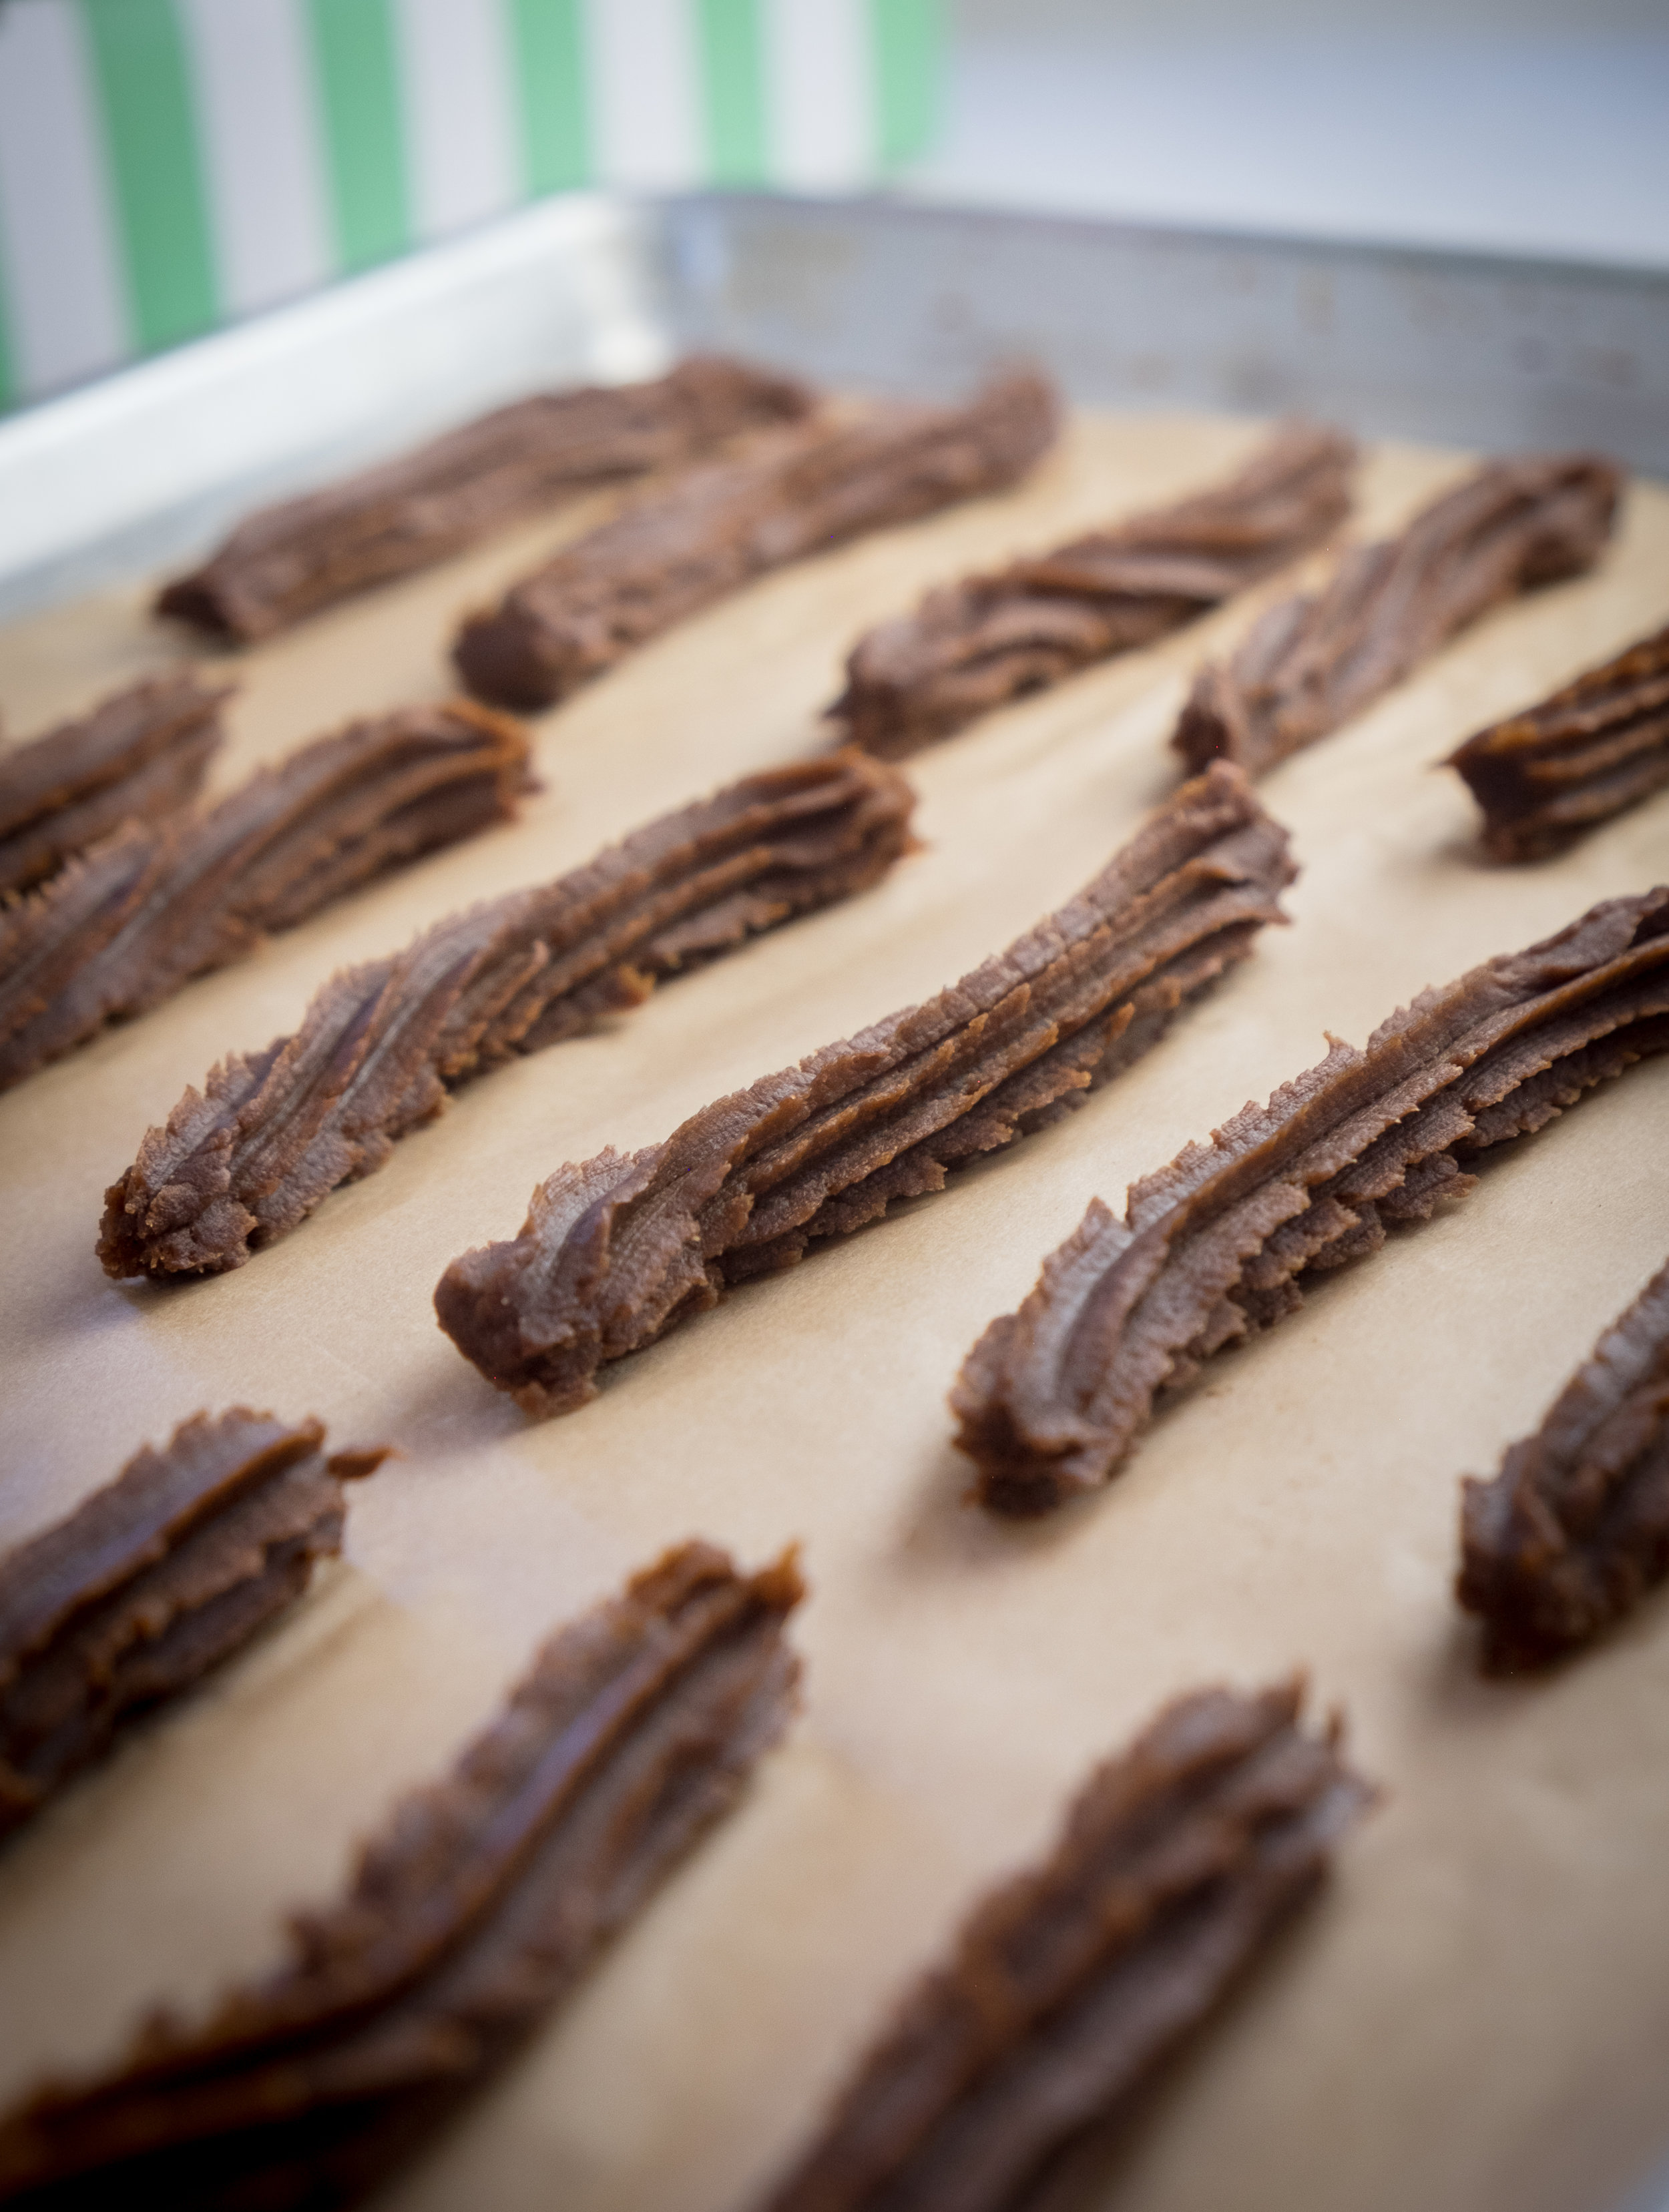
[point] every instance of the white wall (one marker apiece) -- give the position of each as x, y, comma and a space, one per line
1528, 126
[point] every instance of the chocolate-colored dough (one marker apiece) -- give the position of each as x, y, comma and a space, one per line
1071, 1985
791, 493
970, 646
1574, 1529
615, 1250
475, 1911
152, 1581
380, 1047
136, 756
1598, 745
1052, 1399
123, 927
1314, 661
287, 561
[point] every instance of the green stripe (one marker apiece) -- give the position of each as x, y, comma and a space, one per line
353, 45
549, 43
733, 91
909, 44
151, 131
9, 392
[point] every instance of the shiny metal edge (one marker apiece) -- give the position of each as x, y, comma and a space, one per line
151, 465
1471, 350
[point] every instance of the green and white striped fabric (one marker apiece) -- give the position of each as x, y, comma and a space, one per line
166, 166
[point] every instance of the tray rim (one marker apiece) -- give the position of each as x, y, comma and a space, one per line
108, 480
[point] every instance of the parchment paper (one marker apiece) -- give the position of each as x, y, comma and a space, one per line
1477, 2017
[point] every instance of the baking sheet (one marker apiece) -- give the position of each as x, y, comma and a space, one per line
1475, 2016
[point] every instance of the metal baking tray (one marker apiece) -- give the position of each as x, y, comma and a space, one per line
1464, 350
1485, 352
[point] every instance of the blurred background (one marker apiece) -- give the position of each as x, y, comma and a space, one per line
1525, 126
167, 166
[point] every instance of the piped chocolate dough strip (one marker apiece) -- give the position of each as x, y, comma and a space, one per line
1314, 660
1594, 748
154, 1580
271, 1133
123, 927
1212, 1249
289, 560
791, 493
473, 1913
970, 646
136, 756
614, 1251
1574, 1529
1071, 1985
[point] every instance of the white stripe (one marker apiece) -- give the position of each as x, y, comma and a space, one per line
66, 309
645, 92
455, 76
820, 70
261, 148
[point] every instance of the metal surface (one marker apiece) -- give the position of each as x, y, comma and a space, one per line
151, 466
1459, 348
152, 463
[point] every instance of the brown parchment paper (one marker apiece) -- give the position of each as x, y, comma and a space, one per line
1478, 2014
